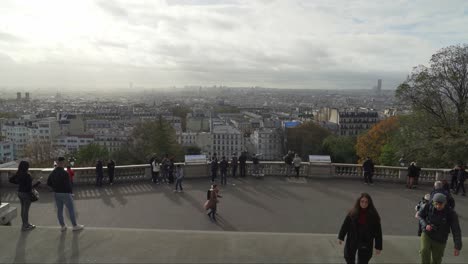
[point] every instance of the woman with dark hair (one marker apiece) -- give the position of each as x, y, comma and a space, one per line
24, 180
361, 227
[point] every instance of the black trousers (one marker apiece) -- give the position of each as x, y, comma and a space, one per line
368, 177
462, 186
363, 255
234, 170
453, 182
242, 170
111, 176
213, 175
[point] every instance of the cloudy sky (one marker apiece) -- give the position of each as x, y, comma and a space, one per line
321, 44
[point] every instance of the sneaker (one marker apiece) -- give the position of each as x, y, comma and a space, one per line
175, 190
181, 191
63, 228
365, 183
78, 227
29, 227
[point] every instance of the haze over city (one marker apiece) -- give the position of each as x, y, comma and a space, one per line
121, 45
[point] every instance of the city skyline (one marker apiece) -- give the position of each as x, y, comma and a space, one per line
282, 44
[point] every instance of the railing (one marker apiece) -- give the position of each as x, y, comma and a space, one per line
132, 173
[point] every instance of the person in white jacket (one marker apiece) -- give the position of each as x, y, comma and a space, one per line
297, 164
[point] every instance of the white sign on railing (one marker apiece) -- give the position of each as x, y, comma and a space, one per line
190, 159
319, 158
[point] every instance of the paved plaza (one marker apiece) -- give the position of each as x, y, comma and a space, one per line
292, 212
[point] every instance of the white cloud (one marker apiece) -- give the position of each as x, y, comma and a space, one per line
289, 43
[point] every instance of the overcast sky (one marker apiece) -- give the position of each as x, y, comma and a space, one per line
286, 44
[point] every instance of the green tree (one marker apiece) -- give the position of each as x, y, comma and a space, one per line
87, 155
440, 90
148, 139
306, 139
340, 148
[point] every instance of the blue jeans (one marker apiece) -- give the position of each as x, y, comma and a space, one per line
179, 184
67, 200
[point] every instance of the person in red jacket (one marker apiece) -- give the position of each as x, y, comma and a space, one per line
71, 173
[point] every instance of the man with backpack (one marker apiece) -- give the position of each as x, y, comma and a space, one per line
437, 220
288, 160
461, 177
368, 168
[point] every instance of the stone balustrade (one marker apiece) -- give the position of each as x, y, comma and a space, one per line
130, 173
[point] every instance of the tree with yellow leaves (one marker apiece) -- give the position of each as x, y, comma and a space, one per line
372, 143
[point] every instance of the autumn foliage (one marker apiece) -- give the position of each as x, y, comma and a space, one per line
371, 143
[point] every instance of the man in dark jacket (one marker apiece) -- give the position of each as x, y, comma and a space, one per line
437, 220
59, 181
223, 167
214, 168
99, 173
242, 162
234, 165
439, 188
461, 177
111, 171
368, 168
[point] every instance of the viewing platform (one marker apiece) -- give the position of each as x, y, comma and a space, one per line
274, 219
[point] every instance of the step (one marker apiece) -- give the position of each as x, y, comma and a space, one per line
4, 207
7, 213
126, 245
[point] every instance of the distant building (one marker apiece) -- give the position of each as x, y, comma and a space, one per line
73, 143
26, 98
351, 122
6, 151
268, 143
226, 141
18, 96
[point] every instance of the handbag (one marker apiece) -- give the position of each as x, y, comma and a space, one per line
13, 178
34, 195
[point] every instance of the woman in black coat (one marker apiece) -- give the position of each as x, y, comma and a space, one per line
24, 181
361, 227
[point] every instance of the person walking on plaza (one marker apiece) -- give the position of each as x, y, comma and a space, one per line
439, 188
234, 165
437, 220
99, 173
155, 169
59, 181
413, 173
111, 171
179, 173
25, 186
297, 164
242, 163
361, 228
368, 168
461, 177
212, 201
223, 167
171, 170
214, 168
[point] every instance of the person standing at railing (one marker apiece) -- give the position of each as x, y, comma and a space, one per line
242, 163
165, 165
288, 160
297, 164
25, 186
413, 172
71, 173
111, 171
99, 173
234, 165
255, 165
155, 169
214, 168
223, 167
361, 228
59, 181
179, 178
368, 168
461, 177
